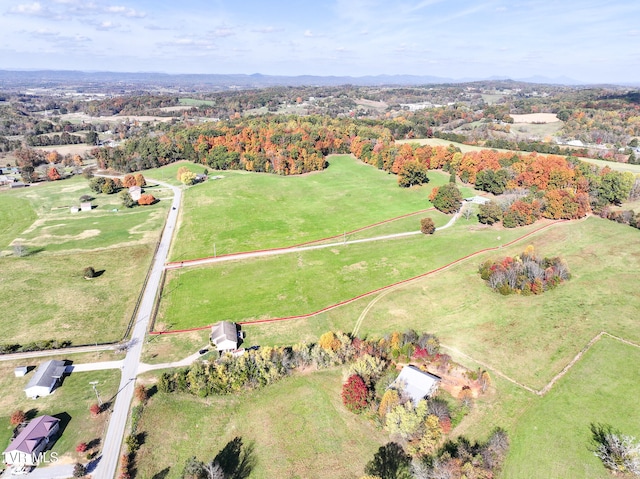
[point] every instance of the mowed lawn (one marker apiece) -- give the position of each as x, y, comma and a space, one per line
298, 427
304, 282
249, 211
70, 403
552, 438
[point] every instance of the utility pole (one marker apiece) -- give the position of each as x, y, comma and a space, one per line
93, 384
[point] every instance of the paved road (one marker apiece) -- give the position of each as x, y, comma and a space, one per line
61, 471
106, 468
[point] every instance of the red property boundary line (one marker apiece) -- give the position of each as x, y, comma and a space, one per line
377, 290
306, 243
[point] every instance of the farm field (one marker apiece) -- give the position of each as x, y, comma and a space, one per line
599, 387
298, 427
70, 402
528, 338
302, 282
246, 212
119, 245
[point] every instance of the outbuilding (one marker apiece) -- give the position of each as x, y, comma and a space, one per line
46, 378
415, 383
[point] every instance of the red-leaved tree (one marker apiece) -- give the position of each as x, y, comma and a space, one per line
355, 394
18, 417
146, 199
82, 447
94, 410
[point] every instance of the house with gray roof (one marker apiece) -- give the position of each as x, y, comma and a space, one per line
224, 336
27, 446
45, 379
415, 383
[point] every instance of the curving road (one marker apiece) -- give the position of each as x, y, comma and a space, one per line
112, 443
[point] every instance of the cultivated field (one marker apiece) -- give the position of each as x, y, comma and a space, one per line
298, 427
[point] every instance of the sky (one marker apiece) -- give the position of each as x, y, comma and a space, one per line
588, 41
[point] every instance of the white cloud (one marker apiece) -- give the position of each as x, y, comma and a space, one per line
34, 9
308, 33
125, 11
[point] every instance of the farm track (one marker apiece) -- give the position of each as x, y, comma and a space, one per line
296, 247
543, 391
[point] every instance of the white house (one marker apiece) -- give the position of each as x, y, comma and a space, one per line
224, 336
415, 383
45, 379
28, 446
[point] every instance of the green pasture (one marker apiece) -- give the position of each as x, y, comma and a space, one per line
528, 338
195, 102
16, 215
168, 173
298, 428
45, 289
552, 438
45, 223
243, 212
70, 402
306, 281
49, 298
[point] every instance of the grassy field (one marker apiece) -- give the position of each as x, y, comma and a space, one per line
46, 290
53, 301
195, 102
528, 338
552, 438
70, 402
302, 282
244, 212
16, 215
546, 331
298, 426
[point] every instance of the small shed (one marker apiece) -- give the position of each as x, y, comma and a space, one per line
46, 378
86, 206
415, 383
224, 336
74, 209
21, 371
478, 200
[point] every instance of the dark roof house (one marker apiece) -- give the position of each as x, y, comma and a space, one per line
224, 335
415, 383
45, 379
25, 449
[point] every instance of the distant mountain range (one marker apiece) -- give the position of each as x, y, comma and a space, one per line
50, 78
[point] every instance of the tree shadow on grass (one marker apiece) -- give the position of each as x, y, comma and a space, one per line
162, 474
236, 462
